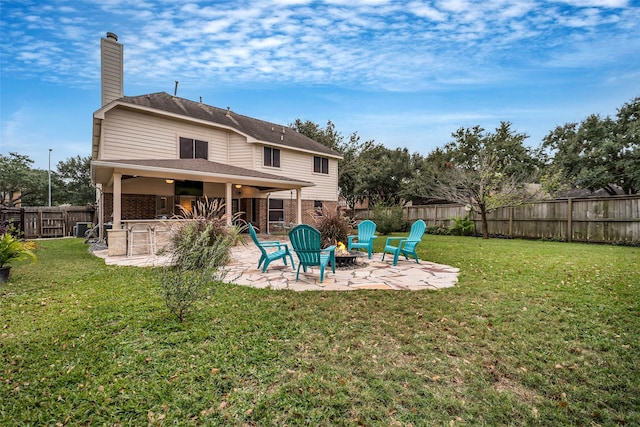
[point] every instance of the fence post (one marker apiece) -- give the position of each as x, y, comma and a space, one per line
511, 221
569, 219
435, 216
65, 218
39, 222
22, 224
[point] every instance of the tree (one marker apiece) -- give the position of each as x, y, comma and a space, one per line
349, 168
484, 170
598, 153
385, 174
423, 178
369, 170
327, 136
19, 184
38, 192
628, 139
74, 174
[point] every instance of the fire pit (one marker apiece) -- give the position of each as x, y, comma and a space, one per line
345, 258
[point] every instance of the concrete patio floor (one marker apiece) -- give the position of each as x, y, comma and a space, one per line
370, 273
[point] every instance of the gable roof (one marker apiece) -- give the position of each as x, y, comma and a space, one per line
256, 130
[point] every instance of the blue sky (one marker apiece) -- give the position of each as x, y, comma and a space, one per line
403, 73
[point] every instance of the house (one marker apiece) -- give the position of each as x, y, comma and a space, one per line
153, 152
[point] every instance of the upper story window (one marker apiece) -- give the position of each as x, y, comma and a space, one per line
193, 149
320, 164
271, 157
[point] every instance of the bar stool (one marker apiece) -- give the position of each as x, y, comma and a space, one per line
140, 240
161, 237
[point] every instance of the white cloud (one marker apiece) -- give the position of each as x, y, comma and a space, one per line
456, 6
379, 43
426, 11
216, 26
596, 3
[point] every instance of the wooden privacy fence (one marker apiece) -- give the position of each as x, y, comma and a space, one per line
603, 220
59, 221
609, 220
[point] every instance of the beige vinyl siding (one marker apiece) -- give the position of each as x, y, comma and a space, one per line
131, 135
218, 149
299, 165
240, 151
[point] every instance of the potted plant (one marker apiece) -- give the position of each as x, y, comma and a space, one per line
13, 249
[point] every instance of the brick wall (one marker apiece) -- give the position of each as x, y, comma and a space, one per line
134, 206
261, 213
140, 206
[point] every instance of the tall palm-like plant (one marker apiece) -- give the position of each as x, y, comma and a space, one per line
334, 226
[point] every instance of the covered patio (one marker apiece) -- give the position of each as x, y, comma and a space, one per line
240, 188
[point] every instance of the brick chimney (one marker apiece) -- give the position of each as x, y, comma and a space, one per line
111, 54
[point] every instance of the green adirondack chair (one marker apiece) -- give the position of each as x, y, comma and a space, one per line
306, 244
405, 245
364, 239
271, 250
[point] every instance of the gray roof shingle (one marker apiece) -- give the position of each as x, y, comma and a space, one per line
204, 166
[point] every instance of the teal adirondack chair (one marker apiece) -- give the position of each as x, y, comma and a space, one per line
364, 239
271, 250
405, 245
306, 243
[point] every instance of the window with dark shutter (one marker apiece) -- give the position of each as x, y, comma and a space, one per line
186, 148
201, 149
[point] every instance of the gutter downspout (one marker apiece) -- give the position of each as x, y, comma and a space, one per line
299, 205
100, 202
268, 195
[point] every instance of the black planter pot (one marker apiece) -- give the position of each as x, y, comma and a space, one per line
4, 274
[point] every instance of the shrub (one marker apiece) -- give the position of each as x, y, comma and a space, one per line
201, 245
461, 226
334, 226
198, 253
199, 250
182, 288
437, 230
203, 208
388, 218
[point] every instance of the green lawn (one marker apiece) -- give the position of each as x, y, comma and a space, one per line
535, 333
